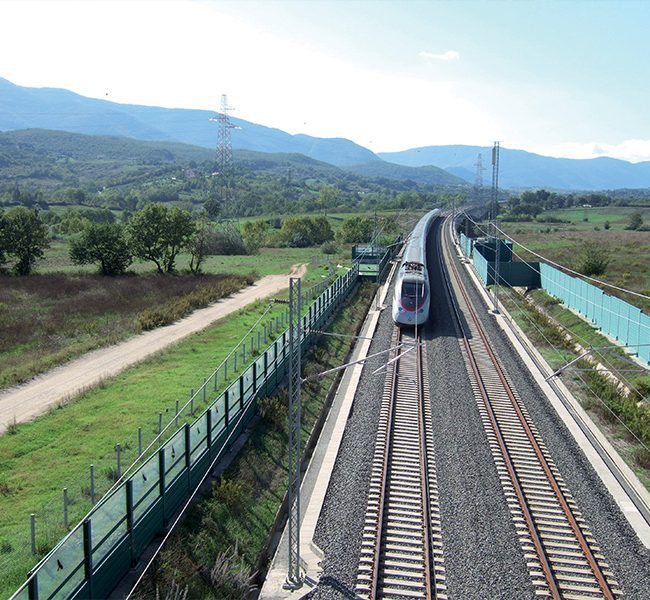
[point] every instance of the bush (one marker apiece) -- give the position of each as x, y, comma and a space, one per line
175, 309
273, 410
593, 259
230, 493
329, 248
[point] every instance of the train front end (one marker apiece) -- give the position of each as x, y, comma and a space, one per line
411, 300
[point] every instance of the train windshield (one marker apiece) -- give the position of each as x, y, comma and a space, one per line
413, 295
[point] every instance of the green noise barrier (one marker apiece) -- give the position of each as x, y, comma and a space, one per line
92, 559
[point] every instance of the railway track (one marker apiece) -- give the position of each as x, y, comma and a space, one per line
401, 553
563, 558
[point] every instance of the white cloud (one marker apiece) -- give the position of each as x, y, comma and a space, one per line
447, 56
635, 150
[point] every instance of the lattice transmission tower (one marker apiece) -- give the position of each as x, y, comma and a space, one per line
224, 147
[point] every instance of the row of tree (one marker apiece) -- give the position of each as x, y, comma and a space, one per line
159, 233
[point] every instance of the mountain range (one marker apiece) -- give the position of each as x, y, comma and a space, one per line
63, 110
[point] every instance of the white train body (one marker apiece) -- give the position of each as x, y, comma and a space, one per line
411, 299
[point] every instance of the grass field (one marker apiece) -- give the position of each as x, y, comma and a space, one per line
629, 251
49, 318
39, 459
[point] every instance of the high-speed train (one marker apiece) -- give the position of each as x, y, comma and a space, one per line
411, 297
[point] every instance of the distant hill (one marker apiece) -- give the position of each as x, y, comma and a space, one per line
427, 175
50, 108
520, 169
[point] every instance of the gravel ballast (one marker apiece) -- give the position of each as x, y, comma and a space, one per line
483, 556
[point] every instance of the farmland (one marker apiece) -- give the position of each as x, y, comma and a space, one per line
560, 236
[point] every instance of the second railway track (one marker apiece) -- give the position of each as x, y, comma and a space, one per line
562, 556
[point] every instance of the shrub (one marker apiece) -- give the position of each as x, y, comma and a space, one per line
593, 258
329, 248
230, 493
273, 410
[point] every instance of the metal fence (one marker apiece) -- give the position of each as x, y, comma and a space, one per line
99, 551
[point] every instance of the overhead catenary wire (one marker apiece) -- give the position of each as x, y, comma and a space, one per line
599, 352
584, 383
524, 313
593, 304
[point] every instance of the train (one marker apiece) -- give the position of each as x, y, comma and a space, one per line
411, 298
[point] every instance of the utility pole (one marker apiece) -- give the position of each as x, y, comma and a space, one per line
478, 181
495, 204
294, 575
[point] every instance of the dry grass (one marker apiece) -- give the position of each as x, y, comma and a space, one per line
46, 320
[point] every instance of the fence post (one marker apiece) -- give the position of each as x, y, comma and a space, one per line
88, 556
161, 481
265, 335
208, 416
241, 392
188, 461
139, 442
33, 586
226, 408
243, 353
129, 518
215, 379
32, 524
225, 370
92, 484
176, 418
65, 507
159, 423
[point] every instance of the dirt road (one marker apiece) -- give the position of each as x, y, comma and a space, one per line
26, 401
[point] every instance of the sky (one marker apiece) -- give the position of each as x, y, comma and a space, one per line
567, 78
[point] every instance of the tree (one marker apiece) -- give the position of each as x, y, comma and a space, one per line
255, 234
356, 230
592, 259
327, 197
179, 231
322, 231
204, 242
25, 237
300, 232
3, 241
103, 243
636, 221
158, 233
212, 206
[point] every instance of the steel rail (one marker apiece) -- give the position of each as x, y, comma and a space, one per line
391, 385
400, 516
536, 538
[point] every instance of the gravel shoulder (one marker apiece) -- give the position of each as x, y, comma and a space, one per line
25, 402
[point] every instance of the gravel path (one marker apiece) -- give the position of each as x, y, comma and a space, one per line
483, 557
29, 400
